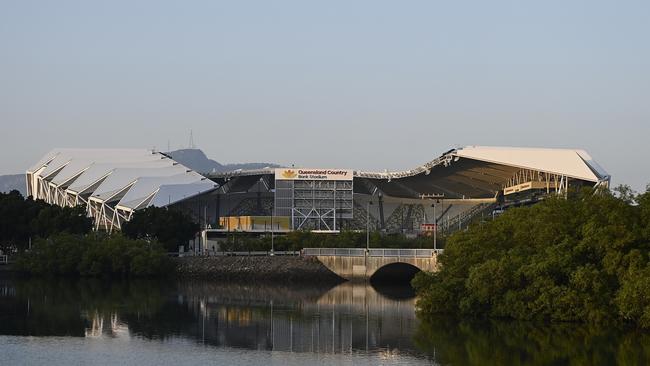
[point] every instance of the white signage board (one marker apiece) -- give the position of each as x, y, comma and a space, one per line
313, 174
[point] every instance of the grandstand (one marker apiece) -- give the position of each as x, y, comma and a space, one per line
445, 192
441, 195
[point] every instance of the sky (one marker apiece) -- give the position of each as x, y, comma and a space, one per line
368, 85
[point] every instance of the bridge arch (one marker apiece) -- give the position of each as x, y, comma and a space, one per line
395, 272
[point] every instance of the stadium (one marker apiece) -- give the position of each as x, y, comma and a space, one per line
443, 194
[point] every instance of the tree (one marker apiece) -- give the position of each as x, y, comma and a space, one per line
585, 258
625, 193
56, 219
14, 228
169, 227
24, 219
94, 255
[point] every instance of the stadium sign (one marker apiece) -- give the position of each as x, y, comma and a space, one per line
313, 174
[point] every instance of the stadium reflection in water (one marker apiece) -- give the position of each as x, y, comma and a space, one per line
346, 318
197, 322
342, 319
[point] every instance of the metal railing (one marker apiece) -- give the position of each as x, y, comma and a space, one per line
313, 252
463, 219
4, 259
337, 252
373, 252
209, 253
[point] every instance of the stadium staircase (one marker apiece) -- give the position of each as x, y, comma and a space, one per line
465, 218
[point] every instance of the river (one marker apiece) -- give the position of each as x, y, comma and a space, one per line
92, 322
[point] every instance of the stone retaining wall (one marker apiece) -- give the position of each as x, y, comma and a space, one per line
277, 269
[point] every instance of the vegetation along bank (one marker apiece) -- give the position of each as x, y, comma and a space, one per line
584, 258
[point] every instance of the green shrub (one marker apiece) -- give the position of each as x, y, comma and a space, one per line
585, 258
169, 227
297, 240
22, 219
94, 255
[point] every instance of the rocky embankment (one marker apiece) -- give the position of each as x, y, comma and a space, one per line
276, 269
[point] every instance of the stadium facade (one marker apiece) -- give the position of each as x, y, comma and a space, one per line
113, 183
443, 194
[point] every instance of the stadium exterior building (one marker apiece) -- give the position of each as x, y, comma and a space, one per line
443, 194
113, 183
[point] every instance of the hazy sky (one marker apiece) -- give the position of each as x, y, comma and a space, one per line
350, 84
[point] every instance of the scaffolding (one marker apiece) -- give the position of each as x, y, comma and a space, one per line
315, 204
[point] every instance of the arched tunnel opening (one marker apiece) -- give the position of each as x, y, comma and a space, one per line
394, 280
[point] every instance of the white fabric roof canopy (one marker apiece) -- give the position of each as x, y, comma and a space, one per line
165, 194
569, 162
137, 173
123, 177
95, 172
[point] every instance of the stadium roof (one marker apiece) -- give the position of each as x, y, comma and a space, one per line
129, 178
468, 172
572, 163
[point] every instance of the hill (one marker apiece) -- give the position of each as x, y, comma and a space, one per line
196, 160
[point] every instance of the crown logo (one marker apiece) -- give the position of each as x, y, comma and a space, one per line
289, 173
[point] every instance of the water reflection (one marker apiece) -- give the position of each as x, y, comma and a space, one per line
466, 342
346, 320
342, 319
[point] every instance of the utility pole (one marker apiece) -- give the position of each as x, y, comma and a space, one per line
437, 198
368, 227
272, 214
435, 228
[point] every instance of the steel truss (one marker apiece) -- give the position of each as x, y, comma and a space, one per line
105, 215
550, 181
315, 204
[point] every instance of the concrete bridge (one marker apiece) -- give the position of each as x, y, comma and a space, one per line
359, 264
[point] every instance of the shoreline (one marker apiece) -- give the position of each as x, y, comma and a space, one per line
261, 269
240, 269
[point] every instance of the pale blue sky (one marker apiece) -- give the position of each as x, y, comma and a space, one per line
351, 84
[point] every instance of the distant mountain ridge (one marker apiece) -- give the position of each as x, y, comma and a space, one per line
196, 160
12, 182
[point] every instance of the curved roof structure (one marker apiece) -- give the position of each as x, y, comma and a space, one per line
572, 163
486, 171
476, 172
113, 182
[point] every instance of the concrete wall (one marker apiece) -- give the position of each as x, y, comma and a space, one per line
362, 268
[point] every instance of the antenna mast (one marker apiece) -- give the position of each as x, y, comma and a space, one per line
192, 146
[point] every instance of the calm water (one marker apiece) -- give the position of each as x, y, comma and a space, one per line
87, 322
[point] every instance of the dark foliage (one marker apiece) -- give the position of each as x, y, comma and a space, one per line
91, 255
297, 240
169, 227
22, 219
53, 219
62, 244
585, 258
